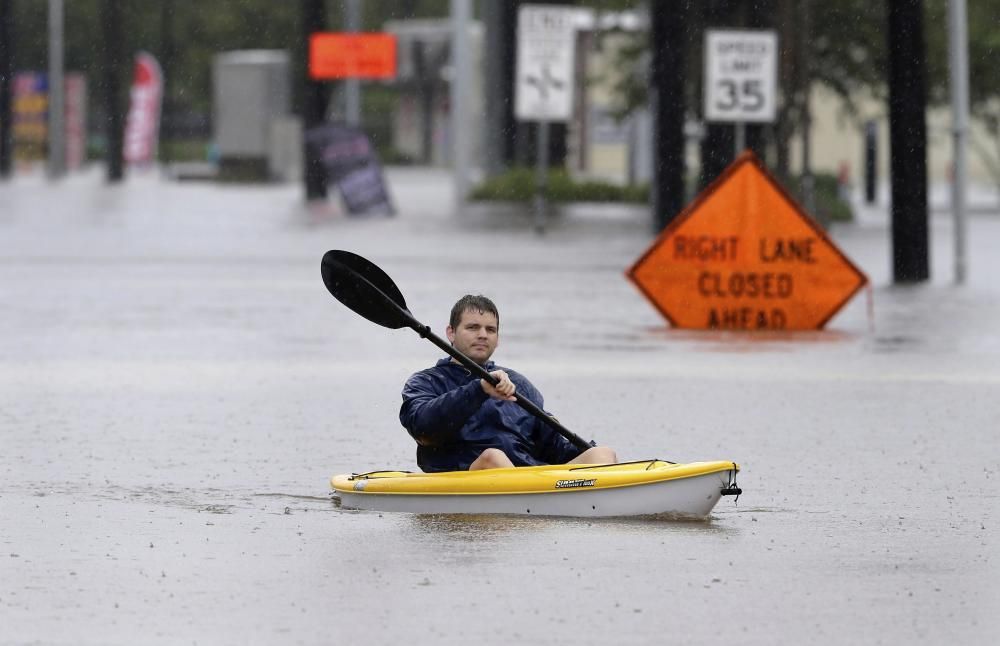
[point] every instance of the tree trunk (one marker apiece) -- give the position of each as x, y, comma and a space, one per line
114, 66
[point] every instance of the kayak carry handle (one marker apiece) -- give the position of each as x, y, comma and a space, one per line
731, 488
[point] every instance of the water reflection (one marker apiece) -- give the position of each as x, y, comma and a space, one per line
475, 527
758, 341
488, 527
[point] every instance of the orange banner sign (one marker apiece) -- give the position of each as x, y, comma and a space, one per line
744, 256
350, 55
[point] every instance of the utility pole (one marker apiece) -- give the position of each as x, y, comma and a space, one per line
668, 41
760, 15
167, 65
500, 37
6, 77
314, 102
720, 138
461, 11
111, 22
808, 182
352, 86
57, 93
958, 59
908, 141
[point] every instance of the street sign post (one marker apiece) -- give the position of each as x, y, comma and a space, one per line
544, 80
741, 72
744, 256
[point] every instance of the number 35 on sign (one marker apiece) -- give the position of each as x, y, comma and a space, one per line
740, 75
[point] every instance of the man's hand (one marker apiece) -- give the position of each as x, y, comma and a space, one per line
504, 390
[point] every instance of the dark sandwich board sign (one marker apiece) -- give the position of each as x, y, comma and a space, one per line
351, 164
745, 256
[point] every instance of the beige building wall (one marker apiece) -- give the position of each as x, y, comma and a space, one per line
606, 157
838, 138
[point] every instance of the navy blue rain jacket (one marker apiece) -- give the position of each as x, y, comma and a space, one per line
453, 421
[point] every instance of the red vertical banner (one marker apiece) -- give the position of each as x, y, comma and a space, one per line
142, 125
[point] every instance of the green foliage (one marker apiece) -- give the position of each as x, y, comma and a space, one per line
184, 150
847, 45
518, 185
830, 205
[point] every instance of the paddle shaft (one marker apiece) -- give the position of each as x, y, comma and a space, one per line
476, 369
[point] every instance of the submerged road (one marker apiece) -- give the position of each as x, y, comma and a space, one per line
176, 388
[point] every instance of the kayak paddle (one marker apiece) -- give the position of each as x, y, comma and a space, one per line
367, 290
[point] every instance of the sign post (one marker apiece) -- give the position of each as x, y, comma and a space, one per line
461, 81
741, 71
544, 82
57, 90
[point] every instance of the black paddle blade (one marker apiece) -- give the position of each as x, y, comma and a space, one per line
363, 287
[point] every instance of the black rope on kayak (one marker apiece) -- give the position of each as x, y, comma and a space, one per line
599, 466
368, 474
733, 489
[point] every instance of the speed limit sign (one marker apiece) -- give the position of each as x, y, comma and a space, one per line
740, 75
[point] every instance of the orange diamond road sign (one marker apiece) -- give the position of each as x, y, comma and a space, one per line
351, 55
744, 256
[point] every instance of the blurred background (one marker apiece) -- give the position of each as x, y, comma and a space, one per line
236, 95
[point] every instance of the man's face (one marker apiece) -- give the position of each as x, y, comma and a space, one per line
476, 336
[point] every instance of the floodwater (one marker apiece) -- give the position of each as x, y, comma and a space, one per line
176, 388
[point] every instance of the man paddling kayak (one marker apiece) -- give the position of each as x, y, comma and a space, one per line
461, 422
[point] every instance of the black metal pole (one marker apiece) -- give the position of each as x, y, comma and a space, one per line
500, 25
807, 181
508, 57
871, 160
111, 21
720, 138
668, 26
425, 86
558, 131
314, 102
908, 142
6, 78
761, 14
167, 65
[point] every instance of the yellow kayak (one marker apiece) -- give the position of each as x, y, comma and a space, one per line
643, 488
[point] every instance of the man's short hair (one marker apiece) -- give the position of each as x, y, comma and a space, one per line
472, 303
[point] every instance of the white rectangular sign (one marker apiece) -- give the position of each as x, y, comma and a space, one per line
741, 72
546, 44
